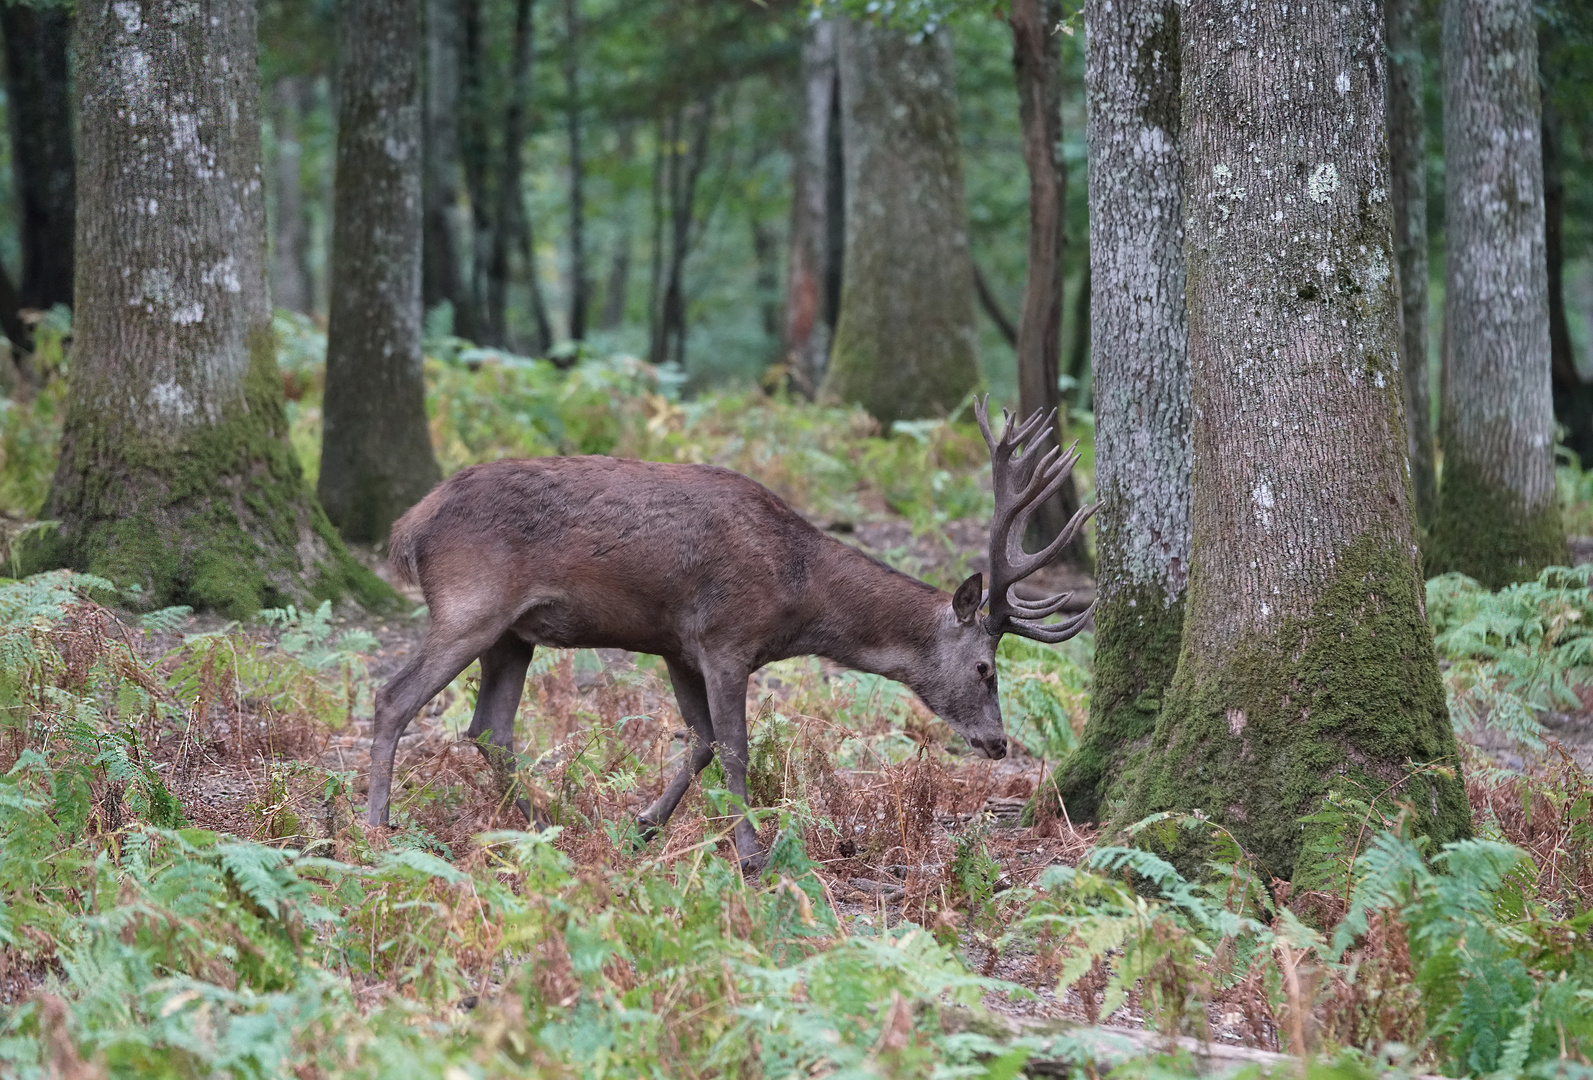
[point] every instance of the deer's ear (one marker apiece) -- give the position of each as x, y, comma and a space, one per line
965, 601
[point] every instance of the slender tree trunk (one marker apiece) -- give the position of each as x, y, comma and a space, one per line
513, 224
1036, 57
475, 154
993, 309
175, 472
1307, 666
579, 286
617, 289
1498, 519
766, 282
1079, 353
905, 342
683, 171
665, 138
39, 99
1142, 447
290, 257
440, 229
376, 456
809, 322
1573, 398
1407, 151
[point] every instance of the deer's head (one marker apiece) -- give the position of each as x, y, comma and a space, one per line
962, 685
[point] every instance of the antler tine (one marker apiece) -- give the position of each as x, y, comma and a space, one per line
1027, 564
1050, 634
1038, 609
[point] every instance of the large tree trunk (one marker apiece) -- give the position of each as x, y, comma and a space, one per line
905, 341
39, 99
376, 456
1407, 151
441, 245
1498, 519
580, 287
290, 255
1036, 59
1142, 450
1307, 666
175, 473
809, 320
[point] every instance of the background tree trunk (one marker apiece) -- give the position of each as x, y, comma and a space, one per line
809, 319
1307, 666
1142, 448
905, 342
580, 287
1407, 151
39, 99
1498, 519
290, 256
675, 182
440, 264
376, 456
1573, 398
1036, 57
617, 289
175, 472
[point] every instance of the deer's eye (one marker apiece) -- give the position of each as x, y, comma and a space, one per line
983, 669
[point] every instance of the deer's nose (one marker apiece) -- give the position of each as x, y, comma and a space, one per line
993, 746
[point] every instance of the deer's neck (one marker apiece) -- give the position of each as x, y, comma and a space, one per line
872, 618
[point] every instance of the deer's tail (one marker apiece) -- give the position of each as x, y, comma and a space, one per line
402, 543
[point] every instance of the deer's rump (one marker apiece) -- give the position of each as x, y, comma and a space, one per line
598, 551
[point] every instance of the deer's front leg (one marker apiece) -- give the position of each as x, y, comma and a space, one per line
727, 701
692, 696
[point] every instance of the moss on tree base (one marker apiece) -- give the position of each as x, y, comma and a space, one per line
218, 517
1344, 700
1136, 654
1486, 532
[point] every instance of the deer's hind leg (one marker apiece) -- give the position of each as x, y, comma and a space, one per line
449, 647
503, 668
692, 696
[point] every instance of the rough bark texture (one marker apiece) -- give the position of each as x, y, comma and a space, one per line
809, 319
1306, 666
1142, 449
175, 471
1498, 519
905, 342
440, 280
1407, 151
290, 254
39, 99
1036, 60
376, 456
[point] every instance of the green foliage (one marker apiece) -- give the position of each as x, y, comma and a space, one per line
1515, 653
1045, 693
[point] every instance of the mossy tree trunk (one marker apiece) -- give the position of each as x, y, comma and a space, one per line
175, 472
1036, 63
1306, 665
1498, 519
39, 99
1407, 151
1142, 451
905, 343
809, 318
376, 456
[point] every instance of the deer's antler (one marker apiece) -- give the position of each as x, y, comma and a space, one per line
1023, 480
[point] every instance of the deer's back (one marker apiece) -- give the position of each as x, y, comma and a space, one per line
600, 551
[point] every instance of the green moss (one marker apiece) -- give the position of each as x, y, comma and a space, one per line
1486, 532
1340, 701
218, 519
1136, 653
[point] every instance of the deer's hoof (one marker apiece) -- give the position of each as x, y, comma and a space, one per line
752, 865
646, 831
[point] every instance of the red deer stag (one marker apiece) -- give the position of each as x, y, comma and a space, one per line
712, 572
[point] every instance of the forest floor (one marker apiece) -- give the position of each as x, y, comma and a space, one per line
900, 820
